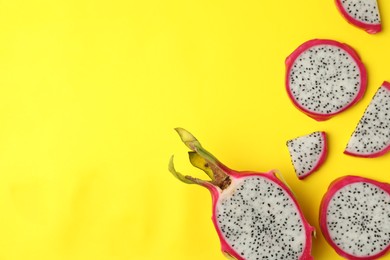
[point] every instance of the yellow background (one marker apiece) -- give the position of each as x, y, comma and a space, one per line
91, 91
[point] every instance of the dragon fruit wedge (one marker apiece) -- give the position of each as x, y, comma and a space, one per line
371, 137
355, 217
307, 153
324, 77
255, 214
363, 14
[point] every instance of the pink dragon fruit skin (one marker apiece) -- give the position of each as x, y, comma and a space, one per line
370, 27
308, 153
350, 185
231, 193
371, 139
225, 247
318, 97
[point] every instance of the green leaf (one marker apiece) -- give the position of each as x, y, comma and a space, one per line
178, 175
203, 160
188, 139
191, 142
201, 163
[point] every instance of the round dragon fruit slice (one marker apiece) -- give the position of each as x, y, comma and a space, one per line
324, 77
362, 14
371, 137
307, 153
255, 214
355, 217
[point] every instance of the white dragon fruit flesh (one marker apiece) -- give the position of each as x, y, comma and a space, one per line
355, 217
324, 77
363, 14
255, 214
371, 137
307, 153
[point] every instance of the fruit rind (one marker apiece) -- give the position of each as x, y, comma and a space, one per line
315, 42
369, 28
321, 157
384, 150
334, 187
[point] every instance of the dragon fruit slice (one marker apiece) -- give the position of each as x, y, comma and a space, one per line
371, 137
355, 217
361, 13
255, 214
324, 77
307, 153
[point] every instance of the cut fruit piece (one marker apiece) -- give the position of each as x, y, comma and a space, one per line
255, 214
371, 137
361, 13
355, 217
307, 153
324, 77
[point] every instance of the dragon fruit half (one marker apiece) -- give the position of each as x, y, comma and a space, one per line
361, 13
307, 152
255, 214
324, 77
371, 137
355, 217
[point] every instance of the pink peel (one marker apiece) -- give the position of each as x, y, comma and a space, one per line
306, 254
301, 142
315, 42
369, 28
322, 159
372, 155
334, 187
386, 149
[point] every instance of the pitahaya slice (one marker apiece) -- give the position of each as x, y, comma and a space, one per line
371, 137
255, 214
324, 77
361, 13
307, 153
355, 217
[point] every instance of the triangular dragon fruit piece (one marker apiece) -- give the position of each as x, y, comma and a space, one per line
255, 214
355, 217
361, 13
324, 77
307, 153
371, 137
